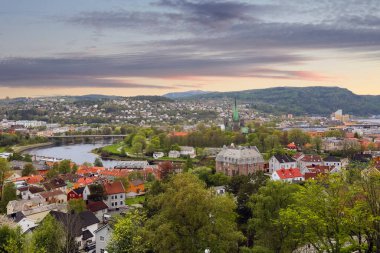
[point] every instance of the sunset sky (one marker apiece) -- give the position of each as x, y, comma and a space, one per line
147, 47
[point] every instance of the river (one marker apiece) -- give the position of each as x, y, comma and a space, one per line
78, 153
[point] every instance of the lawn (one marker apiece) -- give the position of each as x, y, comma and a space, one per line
114, 148
2, 149
137, 200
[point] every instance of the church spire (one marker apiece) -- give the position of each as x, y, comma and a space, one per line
235, 114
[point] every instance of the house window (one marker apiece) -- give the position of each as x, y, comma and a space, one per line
121, 196
101, 250
102, 238
121, 202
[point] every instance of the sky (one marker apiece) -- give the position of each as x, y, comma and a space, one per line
152, 47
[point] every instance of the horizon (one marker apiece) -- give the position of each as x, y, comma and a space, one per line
154, 47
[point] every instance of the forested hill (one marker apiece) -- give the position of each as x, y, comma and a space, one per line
305, 100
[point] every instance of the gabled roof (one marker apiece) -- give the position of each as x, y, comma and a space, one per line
311, 158
96, 206
331, 159
113, 188
16, 217
284, 159
54, 183
51, 193
79, 190
75, 222
289, 173
33, 189
87, 235
137, 182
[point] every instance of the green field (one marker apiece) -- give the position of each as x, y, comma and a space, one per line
2, 149
137, 200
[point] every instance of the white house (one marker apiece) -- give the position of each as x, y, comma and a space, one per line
333, 161
115, 195
188, 151
102, 237
308, 160
288, 175
174, 154
157, 155
28, 192
277, 162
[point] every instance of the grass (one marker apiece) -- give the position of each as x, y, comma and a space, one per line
2, 149
137, 200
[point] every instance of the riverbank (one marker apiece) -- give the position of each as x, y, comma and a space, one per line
20, 149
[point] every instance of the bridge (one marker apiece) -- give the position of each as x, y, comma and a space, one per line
86, 138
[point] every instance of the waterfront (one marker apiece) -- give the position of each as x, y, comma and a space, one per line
78, 153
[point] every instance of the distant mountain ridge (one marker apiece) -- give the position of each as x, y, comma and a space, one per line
185, 94
315, 100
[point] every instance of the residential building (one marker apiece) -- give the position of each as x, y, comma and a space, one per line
115, 195
333, 161
99, 208
75, 193
288, 175
277, 162
136, 186
102, 237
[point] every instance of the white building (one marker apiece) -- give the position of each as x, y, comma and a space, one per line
277, 162
288, 175
333, 161
188, 151
102, 237
115, 195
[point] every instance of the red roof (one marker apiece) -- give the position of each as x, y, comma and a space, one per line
311, 158
113, 188
85, 180
179, 134
33, 179
292, 146
114, 172
289, 173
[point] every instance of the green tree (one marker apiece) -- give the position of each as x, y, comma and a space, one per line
4, 168
188, 164
28, 170
11, 239
298, 137
77, 205
127, 236
318, 214
98, 162
8, 194
317, 143
137, 148
266, 206
191, 218
64, 167
49, 235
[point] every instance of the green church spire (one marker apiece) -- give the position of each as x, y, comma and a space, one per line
235, 114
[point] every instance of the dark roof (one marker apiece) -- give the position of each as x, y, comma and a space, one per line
96, 206
33, 189
331, 159
362, 157
16, 217
284, 159
54, 183
75, 222
79, 190
87, 235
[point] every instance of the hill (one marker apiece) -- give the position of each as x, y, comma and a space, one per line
185, 94
303, 100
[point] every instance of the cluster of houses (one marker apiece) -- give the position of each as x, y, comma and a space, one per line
233, 161
99, 188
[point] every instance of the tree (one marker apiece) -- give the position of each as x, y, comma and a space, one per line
318, 214
48, 236
97, 192
8, 194
28, 170
4, 168
298, 137
77, 205
64, 167
137, 148
266, 206
11, 239
188, 164
126, 236
317, 143
191, 218
98, 162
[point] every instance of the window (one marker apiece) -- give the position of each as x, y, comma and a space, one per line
121, 196
121, 202
102, 238
101, 250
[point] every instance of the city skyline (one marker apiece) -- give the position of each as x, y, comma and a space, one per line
154, 47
